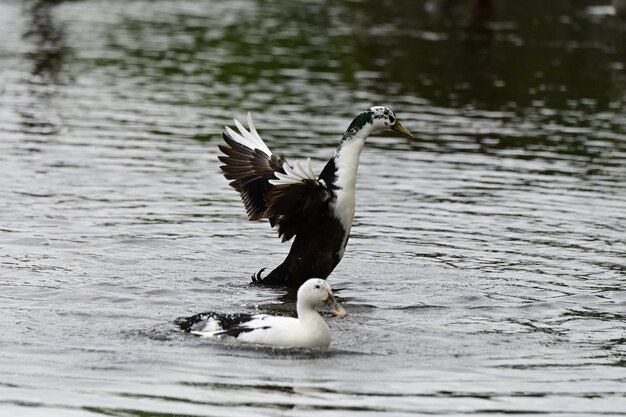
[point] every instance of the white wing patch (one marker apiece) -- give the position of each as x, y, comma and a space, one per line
211, 327
250, 139
294, 175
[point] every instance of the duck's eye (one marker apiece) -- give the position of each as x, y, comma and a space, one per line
392, 119
317, 286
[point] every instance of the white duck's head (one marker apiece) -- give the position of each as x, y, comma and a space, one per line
374, 119
316, 291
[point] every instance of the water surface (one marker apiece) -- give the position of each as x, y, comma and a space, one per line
485, 274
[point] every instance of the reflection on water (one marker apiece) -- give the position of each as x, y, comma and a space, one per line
47, 53
47, 38
485, 272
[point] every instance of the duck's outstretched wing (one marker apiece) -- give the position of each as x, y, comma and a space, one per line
270, 187
294, 198
249, 164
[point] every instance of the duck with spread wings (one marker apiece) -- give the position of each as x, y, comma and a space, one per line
317, 211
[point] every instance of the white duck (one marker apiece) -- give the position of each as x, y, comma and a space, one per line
308, 330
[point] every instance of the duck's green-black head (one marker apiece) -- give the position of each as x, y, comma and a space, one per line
377, 118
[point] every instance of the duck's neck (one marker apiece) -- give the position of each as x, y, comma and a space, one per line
347, 161
340, 173
307, 313
312, 326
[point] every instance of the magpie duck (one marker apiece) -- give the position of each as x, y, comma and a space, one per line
316, 211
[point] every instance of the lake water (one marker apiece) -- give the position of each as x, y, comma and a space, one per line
486, 272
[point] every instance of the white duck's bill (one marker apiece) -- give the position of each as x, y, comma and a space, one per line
335, 307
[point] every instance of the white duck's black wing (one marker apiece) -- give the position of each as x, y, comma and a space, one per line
217, 324
211, 321
257, 323
250, 165
270, 187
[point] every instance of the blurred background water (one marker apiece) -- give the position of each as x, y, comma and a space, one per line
485, 274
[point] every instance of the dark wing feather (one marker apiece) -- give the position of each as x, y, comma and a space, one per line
197, 322
250, 170
288, 205
292, 205
237, 329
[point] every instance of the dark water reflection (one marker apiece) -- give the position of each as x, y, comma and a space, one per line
485, 273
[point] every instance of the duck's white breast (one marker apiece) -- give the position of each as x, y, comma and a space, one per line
347, 162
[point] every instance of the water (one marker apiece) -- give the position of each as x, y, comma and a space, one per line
485, 274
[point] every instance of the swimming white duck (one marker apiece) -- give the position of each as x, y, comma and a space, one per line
308, 330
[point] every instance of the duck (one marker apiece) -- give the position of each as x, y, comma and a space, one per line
308, 330
315, 210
